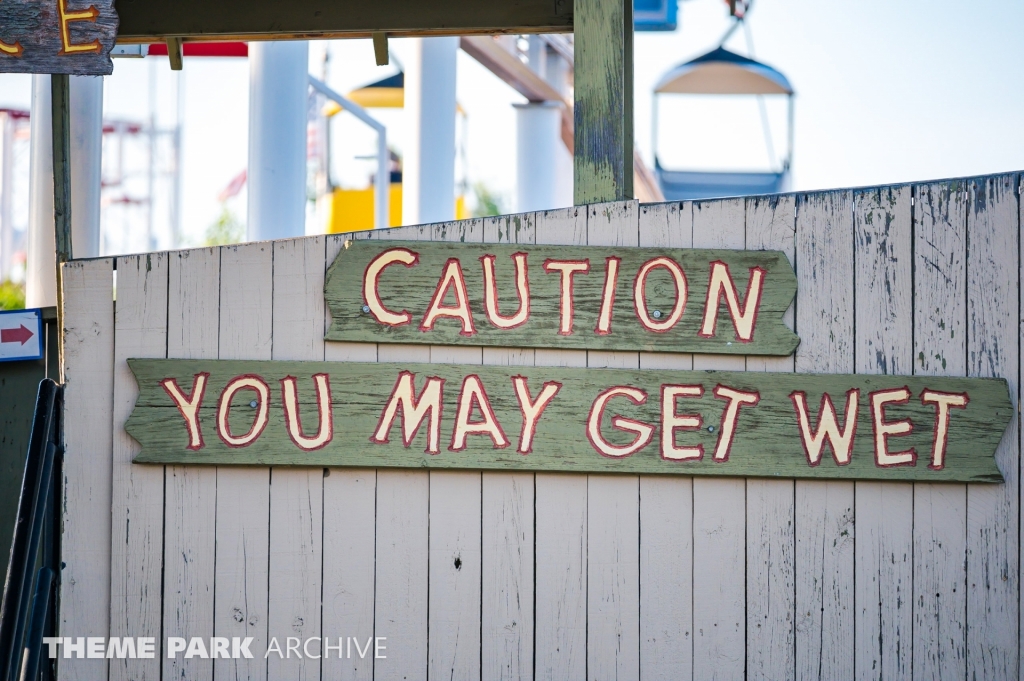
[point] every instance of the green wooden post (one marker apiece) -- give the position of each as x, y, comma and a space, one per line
604, 100
60, 101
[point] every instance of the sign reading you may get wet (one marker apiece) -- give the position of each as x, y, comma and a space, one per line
564, 419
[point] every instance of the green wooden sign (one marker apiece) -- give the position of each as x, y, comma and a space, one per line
574, 420
569, 297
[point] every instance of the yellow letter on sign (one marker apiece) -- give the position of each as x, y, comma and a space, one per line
66, 18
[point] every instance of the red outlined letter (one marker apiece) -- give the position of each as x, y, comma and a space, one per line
371, 285
672, 421
568, 268
414, 410
665, 323
532, 410
883, 429
611, 279
644, 432
236, 384
451, 279
293, 421
494, 316
943, 403
474, 394
744, 319
66, 18
736, 398
189, 405
841, 440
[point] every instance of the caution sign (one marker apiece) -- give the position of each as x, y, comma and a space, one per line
21, 335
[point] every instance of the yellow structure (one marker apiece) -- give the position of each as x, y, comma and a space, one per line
351, 210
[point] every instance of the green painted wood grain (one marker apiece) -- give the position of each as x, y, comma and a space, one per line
767, 442
403, 288
603, 107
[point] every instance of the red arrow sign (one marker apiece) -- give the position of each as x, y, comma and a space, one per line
21, 334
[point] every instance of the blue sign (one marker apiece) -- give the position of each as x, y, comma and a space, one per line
21, 335
655, 15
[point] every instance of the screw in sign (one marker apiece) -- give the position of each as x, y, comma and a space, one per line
21, 335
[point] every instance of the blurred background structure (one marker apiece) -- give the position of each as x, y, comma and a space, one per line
483, 125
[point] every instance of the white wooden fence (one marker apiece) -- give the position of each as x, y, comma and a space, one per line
546, 576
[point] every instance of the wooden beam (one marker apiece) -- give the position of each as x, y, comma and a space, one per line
154, 20
60, 109
604, 101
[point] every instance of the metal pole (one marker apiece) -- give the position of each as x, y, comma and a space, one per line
382, 189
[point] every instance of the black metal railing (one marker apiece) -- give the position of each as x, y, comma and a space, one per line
29, 609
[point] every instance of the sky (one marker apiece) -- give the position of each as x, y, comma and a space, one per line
887, 91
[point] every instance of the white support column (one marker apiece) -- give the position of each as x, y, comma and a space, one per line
278, 97
40, 275
6, 194
543, 164
86, 164
538, 137
86, 169
428, 172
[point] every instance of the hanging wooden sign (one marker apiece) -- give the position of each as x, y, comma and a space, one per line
57, 36
578, 297
560, 419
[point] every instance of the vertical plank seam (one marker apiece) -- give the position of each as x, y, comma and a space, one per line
270, 471
1016, 184
853, 295
323, 487
969, 191
913, 370
163, 530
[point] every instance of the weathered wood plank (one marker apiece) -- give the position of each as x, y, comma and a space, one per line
883, 566
296, 496
993, 339
136, 560
771, 568
613, 508
402, 563
453, 625
940, 511
243, 493
191, 491
561, 516
88, 439
454, 576
307, 19
57, 37
824, 521
507, 613
666, 507
603, 93
401, 585
719, 517
397, 292
507, 524
349, 535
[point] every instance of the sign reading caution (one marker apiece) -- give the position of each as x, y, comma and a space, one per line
566, 297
